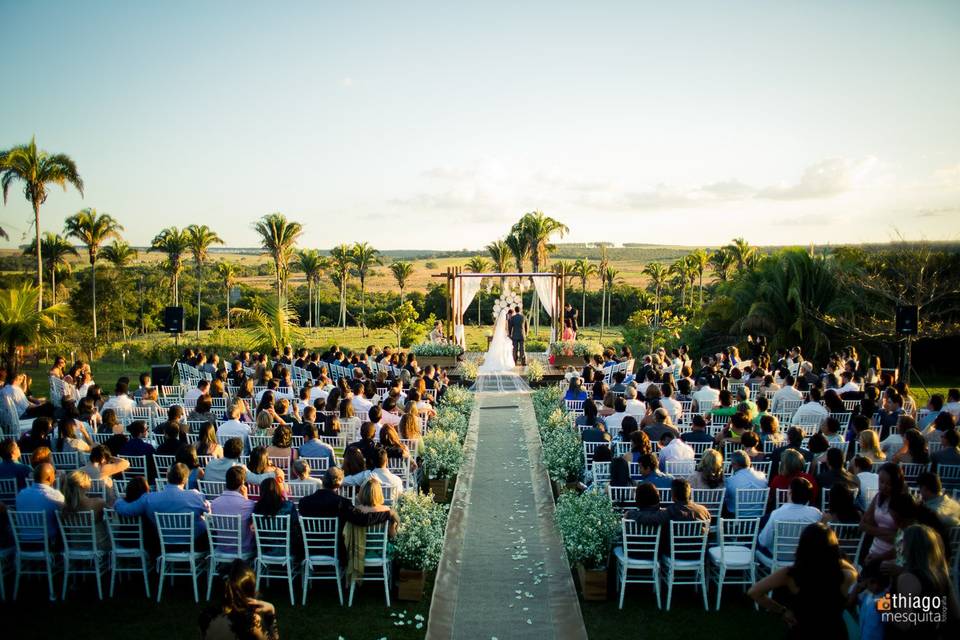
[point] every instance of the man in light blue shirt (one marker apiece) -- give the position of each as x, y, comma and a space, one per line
742, 476
313, 448
41, 496
650, 472
174, 498
797, 510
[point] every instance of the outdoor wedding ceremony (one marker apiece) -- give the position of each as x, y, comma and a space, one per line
480, 321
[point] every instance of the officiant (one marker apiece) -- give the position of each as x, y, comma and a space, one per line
571, 314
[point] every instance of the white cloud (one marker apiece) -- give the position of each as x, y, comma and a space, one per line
824, 179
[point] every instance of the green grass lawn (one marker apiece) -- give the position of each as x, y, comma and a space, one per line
131, 615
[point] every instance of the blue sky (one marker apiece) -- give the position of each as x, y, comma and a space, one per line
434, 125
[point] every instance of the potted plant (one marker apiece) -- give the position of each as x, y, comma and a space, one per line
589, 527
419, 542
442, 457
439, 354
570, 353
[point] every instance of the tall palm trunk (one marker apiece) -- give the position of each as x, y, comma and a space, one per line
363, 307
228, 305
309, 302
603, 299
176, 289
36, 225
93, 269
583, 304
53, 285
199, 288
701, 287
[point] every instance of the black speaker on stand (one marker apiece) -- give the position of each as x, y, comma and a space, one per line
908, 320
173, 319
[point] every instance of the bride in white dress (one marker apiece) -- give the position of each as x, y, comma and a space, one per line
499, 358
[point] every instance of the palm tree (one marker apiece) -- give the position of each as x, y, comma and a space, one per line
364, 258
341, 256
500, 254
478, 264
401, 271
92, 229
271, 326
721, 261
36, 169
583, 270
519, 249
658, 279
742, 253
120, 255
200, 238
681, 269
174, 243
278, 237
536, 228
55, 249
23, 323
228, 275
611, 277
699, 259
313, 265
601, 269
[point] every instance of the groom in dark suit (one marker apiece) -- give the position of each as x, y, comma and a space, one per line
517, 326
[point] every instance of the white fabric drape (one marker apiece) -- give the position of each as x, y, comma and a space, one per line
546, 287
464, 291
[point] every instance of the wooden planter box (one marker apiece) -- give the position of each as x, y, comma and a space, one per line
410, 585
444, 362
439, 487
568, 361
593, 584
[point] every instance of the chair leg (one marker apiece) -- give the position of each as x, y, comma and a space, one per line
336, 571
669, 588
656, 586
16, 581
211, 569
290, 582
306, 582
622, 579
193, 575
163, 574
52, 590
722, 572
703, 583
113, 574
353, 586
146, 576
66, 579
386, 584
99, 582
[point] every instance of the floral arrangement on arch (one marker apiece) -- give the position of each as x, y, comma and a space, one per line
508, 300
436, 349
420, 534
578, 348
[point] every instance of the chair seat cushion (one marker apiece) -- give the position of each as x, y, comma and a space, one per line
732, 556
633, 562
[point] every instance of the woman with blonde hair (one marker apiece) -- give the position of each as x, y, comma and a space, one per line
75, 500
709, 473
207, 444
870, 446
409, 427
264, 424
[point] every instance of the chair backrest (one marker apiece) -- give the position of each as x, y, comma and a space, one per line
29, 530
712, 499
260, 441
601, 472
78, 531
348, 491
763, 467
377, 541
740, 532
751, 503
138, 466
681, 468
281, 463
783, 497
688, 539
623, 498
786, 537
913, 469
949, 475
272, 534
162, 463
211, 489
126, 532
8, 491
640, 541
224, 533
316, 464
65, 460
98, 488
297, 490
176, 532
850, 538
319, 537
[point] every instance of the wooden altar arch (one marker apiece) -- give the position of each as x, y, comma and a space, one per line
452, 273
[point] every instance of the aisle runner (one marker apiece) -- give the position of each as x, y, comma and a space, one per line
502, 574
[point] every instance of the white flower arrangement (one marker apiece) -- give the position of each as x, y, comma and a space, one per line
442, 454
420, 533
469, 370
589, 527
434, 349
562, 451
459, 398
546, 400
579, 348
509, 300
449, 418
535, 371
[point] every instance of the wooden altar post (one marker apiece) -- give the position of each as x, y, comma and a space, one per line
561, 300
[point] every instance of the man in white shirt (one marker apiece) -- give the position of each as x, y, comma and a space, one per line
216, 469
614, 421
673, 449
190, 397
233, 428
849, 386
893, 442
674, 408
41, 496
787, 393
636, 408
706, 396
121, 402
868, 480
384, 475
953, 403
361, 405
811, 412
797, 510
742, 476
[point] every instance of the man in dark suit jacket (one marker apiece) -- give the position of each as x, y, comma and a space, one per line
517, 327
327, 503
571, 314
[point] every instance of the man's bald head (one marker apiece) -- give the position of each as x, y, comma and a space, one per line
44, 473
